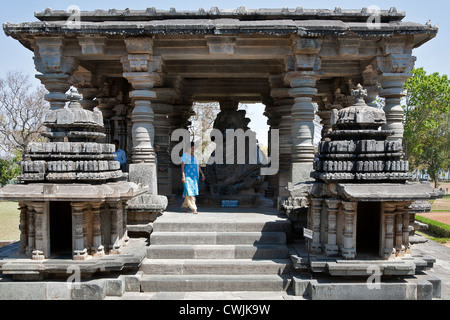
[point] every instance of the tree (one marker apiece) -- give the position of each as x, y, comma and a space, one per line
427, 123
9, 169
22, 111
202, 121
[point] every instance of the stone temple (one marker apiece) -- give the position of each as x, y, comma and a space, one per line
137, 74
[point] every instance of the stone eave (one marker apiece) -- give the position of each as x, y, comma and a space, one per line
307, 28
241, 13
386, 191
71, 192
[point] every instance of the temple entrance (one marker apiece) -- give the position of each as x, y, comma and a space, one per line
60, 228
233, 180
368, 228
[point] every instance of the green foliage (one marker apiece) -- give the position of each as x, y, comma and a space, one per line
438, 229
9, 169
427, 122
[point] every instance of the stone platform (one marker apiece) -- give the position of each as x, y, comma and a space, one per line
21, 268
235, 254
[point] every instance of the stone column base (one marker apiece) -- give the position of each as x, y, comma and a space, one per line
38, 255
348, 253
300, 172
80, 254
145, 175
331, 249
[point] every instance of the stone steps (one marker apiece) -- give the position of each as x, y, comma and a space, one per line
244, 225
177, 251
208, 282
217, 251
216, 266
219, 238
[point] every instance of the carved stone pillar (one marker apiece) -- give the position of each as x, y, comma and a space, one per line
120, 124
371, 85
316, 211
302, 80
41, 240
89, 94
349, 242
388, 210
23, 227
401, 229
394, 69
393, 92
405, 228
162, 141
399, 248
87, 84
56, 69
125, 237
280, 117
31, 231
106, 106
332, 207
97, 248
141, 70
79, 248
116, 226
325, 115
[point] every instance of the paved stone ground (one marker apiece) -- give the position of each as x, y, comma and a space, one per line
236, 295
441, 268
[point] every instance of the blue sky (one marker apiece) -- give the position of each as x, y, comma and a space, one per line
433, 56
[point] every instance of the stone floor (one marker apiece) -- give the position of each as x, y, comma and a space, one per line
441, 268
235, 295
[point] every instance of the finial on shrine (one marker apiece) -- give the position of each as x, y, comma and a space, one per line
74, 97
359, 92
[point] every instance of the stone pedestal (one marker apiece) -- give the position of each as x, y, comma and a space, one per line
145, 175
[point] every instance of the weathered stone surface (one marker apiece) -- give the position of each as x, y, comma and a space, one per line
91, 290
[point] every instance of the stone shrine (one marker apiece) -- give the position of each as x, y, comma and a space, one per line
73, 195
361, 204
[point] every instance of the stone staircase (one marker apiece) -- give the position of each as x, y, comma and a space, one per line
218, 251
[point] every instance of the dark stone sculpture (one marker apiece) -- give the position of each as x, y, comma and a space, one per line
233, 181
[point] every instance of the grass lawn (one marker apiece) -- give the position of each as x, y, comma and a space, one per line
9, 221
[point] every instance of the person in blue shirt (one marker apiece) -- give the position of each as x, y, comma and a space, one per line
190, 169
121, 156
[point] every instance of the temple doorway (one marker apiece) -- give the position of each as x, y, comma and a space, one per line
368, 228
238, 183
60, 228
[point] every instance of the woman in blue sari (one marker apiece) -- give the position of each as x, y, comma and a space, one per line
190, 169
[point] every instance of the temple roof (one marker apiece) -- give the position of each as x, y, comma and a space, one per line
241, 13
206, 55
285, 21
